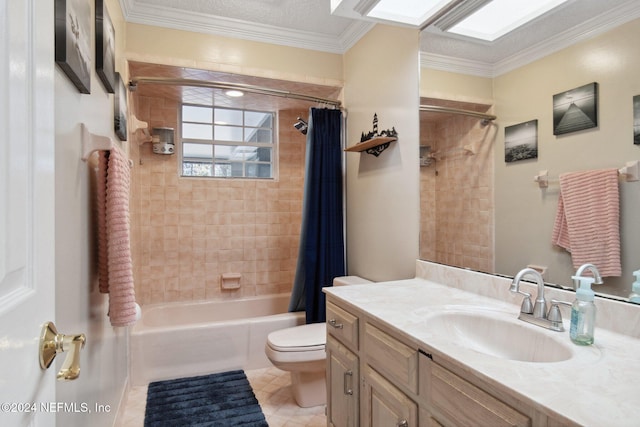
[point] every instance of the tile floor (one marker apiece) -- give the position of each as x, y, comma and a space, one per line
271, 386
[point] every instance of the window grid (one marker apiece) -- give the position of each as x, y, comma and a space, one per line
227, 143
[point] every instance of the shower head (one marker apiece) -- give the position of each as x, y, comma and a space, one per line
301, 125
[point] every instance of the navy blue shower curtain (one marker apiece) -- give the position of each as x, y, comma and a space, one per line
321, 253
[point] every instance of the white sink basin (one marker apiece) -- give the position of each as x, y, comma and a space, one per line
499, 335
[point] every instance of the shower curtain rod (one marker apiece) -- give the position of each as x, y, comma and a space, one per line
486, 118
234, 86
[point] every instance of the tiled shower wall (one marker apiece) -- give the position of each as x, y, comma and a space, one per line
187, 232
456, 191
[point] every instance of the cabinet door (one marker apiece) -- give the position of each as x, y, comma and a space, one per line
384, 405
342, 387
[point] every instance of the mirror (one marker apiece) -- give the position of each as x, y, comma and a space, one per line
481, 212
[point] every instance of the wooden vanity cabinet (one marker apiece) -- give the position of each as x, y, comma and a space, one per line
378, 378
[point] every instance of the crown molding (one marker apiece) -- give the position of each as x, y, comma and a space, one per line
140, 13
451, 64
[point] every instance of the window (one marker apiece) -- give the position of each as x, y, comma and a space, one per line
227, 143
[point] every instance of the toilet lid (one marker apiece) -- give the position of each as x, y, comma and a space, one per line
309, 337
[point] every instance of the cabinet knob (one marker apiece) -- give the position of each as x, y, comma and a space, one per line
403, 423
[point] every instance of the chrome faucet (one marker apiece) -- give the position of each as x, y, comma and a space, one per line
538, 314
540, 307
594, 270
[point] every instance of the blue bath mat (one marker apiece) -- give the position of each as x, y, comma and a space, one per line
224, 399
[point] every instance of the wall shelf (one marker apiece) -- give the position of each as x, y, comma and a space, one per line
375, 144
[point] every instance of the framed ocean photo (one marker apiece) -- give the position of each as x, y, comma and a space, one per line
521, 141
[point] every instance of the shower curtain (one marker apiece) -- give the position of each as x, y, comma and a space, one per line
321, 253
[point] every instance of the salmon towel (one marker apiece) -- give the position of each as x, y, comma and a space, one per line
115, 267
587, 222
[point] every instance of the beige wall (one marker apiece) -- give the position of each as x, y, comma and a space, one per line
524, 212
382, 76
190, 231
79, 305
455, 86
208, 52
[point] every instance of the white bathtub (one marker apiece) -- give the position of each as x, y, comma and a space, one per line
185, 339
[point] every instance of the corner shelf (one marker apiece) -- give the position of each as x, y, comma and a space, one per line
372, 144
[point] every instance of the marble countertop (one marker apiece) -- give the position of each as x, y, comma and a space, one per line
598, 386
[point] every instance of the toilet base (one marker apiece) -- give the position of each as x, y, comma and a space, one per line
309, 388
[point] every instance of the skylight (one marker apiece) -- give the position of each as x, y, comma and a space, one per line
413, 12
500, 17
480, 19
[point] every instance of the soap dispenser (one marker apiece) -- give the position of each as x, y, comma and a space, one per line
583, 313
634, 296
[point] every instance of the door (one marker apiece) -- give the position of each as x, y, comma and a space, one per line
27, 288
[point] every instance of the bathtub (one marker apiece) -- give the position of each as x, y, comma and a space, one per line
185, 339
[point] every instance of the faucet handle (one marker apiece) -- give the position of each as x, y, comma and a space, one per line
527, 306
554, 312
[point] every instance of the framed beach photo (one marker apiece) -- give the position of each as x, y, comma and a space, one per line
521, 141
105, 47
73, 41
120, 109
575, 109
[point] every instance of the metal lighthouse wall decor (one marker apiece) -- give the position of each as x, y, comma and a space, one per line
375, 142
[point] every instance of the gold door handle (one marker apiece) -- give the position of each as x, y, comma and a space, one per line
52, 343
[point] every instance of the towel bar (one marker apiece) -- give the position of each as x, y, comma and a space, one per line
92, 142
630, 172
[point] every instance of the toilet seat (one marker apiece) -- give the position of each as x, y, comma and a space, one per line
304, 338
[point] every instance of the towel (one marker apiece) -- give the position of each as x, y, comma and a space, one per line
587, 222
115, 267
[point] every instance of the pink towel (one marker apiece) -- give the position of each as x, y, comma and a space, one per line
587, 222
115, 269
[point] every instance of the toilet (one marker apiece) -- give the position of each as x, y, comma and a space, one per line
301, 351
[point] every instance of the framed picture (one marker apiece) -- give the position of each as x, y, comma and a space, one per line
521, 141
73, 41
575, 109
105, 47
120, 109
636, 119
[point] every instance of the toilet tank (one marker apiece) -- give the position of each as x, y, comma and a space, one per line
350, 280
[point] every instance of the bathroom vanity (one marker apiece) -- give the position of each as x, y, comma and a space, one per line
420, 352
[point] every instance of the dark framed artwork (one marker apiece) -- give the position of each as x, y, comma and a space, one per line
636, 119
120, 109
105, 47
73, 41
521, 141
575, 109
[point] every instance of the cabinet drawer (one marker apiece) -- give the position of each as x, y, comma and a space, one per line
461, 402
397, 361
342, 325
